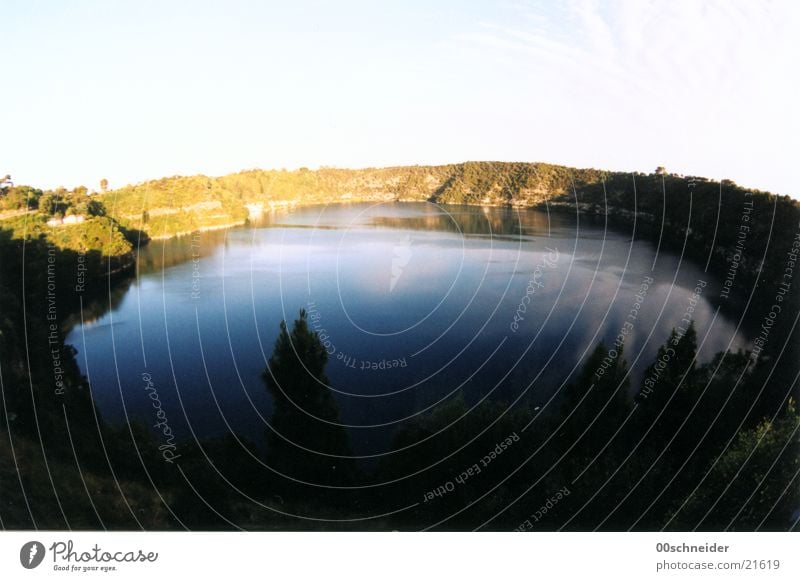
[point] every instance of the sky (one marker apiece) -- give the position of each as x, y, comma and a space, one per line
135, 90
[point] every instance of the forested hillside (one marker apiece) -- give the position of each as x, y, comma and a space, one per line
62, 465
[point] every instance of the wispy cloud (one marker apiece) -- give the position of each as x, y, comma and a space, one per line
721, 68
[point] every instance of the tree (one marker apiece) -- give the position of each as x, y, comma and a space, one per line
51, 203
670, 389
103, 185
90, 208
304, 441
752, 484
19, 197
596, 398
674, 369
95, 208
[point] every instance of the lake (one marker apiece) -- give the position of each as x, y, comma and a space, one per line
415, 303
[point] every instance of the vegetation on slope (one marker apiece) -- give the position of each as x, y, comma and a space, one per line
62, 466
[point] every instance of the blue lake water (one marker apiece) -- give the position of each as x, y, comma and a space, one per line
415, 303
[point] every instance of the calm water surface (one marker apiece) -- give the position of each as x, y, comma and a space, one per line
415, 303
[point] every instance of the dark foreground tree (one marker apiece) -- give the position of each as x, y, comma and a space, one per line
752, 485
596, 401
304, 440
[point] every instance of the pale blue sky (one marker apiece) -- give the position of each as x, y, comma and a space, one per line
131, 90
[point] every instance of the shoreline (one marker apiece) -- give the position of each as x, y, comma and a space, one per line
538, 206
190, 232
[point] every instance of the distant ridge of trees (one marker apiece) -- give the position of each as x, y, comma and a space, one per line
694, 213
519, 184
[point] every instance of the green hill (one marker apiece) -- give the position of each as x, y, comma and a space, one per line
181, 204
673, 209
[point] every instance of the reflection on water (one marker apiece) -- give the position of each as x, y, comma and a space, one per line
415, 304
